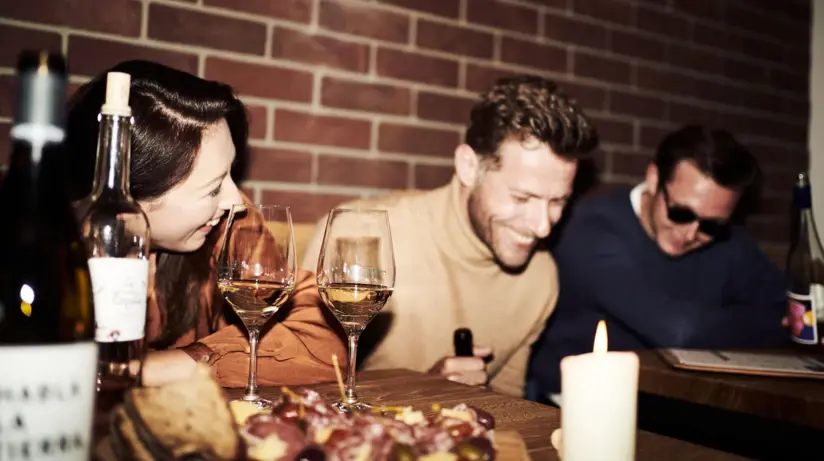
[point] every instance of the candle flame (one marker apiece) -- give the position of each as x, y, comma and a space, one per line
600, 344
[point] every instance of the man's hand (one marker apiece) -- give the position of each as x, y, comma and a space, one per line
163, 367
466, 370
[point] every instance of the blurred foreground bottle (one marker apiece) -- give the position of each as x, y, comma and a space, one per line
48, 356
116, 234
805, 270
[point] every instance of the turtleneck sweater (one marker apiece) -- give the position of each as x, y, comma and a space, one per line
447, 278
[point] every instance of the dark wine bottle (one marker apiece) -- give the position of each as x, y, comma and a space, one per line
805, 270
48, 356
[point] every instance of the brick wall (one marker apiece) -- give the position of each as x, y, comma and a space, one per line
356, 97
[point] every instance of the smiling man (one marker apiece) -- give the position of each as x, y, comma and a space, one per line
468, 254
662, 264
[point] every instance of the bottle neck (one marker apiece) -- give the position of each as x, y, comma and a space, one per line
113, 156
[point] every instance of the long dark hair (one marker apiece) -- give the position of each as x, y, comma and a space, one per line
171, 110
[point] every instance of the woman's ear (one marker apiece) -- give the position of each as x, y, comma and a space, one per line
467, 165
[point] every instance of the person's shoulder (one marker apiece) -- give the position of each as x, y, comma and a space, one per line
607, 206
391, 201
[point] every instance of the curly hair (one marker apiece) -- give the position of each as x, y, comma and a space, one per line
525, 107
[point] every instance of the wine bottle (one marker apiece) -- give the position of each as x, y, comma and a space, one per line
116, 234
48, 355
805, 270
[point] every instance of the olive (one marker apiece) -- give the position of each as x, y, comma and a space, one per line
485, 419
311, 453
476, 449
402, 452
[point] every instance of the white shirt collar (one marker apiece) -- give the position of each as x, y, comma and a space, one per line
635, 197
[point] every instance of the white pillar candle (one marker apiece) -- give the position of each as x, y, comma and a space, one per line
600, 403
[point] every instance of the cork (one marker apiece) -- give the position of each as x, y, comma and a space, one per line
117, 94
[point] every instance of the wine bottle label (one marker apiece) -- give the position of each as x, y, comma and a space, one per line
47, 401
804, 311
120, 290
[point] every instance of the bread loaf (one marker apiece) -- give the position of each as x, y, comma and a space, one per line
184, 420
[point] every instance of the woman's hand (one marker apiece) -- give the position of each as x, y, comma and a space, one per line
163, 367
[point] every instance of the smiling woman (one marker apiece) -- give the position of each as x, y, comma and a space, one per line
188, 135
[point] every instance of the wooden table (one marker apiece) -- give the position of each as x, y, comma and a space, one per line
535, 422
790, 400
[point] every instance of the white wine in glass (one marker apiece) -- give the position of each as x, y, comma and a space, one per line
257, 270
356, 276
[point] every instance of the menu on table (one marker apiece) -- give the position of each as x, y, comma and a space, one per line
753, 363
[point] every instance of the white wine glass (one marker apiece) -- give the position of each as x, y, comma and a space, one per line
256, 273
356, 276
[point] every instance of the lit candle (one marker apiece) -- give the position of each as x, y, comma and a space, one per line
600, 400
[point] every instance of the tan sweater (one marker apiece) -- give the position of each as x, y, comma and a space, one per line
446, 279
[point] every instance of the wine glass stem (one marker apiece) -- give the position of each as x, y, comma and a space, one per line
351, 396
251, 386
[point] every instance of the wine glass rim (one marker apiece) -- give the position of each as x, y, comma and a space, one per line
357, 210
260, 206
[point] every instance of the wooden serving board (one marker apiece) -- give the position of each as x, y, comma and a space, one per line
511, 446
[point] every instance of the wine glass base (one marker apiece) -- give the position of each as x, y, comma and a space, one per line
354, 407
260, 402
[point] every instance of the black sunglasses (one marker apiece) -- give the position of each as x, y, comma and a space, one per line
680, 214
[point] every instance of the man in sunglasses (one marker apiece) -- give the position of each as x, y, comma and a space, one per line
661, 263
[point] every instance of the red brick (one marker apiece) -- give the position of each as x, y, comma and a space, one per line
557, 4
531, 54
360, 19
774, 205
290, 10
651, 136
691, 58
372, 172
13, 37
718, 37
601, 68
629, 163
569, 30
758, 22
480, 78
585, 96
307, 207
768, 228
615, 11
417, 68
319, 50
707, 10
261, 80
443, 108
762, 100
504, 16
325, 130
638, 105
687, 113
121, 17
370, 97
762, 49
454, 39
432, 176
8, 95
613, 131
89, 56
749, 72
417, 140
191, 27
671, 25
632, 44
655, 79
446, 8
258, 121
267, 164
5, 143
796, 82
